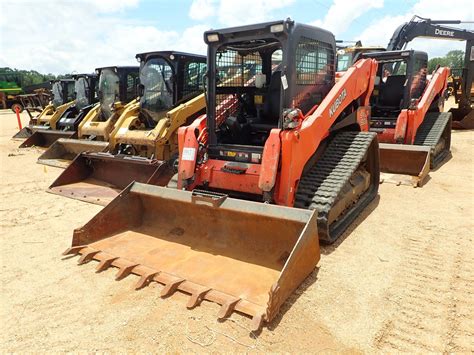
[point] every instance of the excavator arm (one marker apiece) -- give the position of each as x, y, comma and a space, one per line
436, 29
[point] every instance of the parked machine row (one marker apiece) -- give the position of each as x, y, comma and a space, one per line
221, 175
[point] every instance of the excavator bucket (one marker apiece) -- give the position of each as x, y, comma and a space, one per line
99, 177
62, 152
44, 138
404, 164
462, 118
246, 256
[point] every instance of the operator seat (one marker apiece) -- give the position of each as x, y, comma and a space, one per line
392, 92
271, 106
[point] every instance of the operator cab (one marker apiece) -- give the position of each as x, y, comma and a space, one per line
258, 72
63, 91
85, 96
116, 84
399, 83
167, 79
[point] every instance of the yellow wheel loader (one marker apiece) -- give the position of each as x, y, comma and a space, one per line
282, 159
143, 143
117, 90
63, 98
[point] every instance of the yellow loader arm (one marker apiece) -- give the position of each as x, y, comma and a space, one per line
161, 142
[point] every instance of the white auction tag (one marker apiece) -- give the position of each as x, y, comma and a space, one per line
188, 154
284, 82
123, 130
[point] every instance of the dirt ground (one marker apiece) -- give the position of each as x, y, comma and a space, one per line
400, 280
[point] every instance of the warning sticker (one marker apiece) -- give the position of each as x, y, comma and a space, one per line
188, 154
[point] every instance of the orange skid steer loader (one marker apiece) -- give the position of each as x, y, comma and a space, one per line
144, 141
413, 132
117, 91
277, 161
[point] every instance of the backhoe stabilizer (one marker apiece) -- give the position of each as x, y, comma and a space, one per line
44, 138
62, 152
99, 177
404, 164
246, 256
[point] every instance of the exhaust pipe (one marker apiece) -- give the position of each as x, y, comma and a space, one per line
248, 257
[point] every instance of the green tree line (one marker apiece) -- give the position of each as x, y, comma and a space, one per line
453, 59
27, 77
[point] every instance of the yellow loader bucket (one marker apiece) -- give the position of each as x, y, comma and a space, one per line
409, 163
45, 137
62, 152
246, 256
99, 177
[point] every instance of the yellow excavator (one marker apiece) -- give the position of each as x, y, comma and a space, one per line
63, 98
116, 90
143, 144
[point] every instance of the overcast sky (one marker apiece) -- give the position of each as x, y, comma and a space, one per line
64, 36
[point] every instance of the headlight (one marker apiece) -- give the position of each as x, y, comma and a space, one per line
277, 28
213, 37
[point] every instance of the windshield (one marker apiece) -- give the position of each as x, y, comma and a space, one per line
81, 88
343, 61
57, 94
109, 87
155, 76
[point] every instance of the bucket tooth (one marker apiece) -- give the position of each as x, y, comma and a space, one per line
257, 322
105, 264
145, 280
124, 272
171, 288
197, 297
227, 308
74, 250
86, 257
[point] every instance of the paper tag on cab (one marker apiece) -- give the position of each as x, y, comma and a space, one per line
284, 82
188, 154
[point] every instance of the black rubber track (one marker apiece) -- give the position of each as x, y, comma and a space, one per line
319, 187
435, 126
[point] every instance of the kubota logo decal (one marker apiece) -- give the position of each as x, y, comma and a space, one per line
444, 33
337, 103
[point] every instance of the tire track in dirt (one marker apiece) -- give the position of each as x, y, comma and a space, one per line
433, 297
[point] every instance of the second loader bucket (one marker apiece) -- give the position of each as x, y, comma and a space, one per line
44, 138
99, 177
23, 133
462, 118
62, 152
409, 163
248, 257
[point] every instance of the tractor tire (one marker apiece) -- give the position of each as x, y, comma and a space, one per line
15, 105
